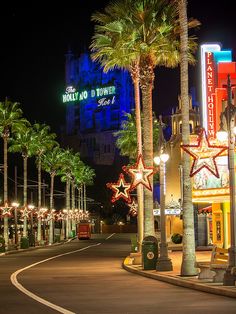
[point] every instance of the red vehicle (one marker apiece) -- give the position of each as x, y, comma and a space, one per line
84, 230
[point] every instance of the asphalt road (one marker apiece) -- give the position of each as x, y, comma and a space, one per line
90, 279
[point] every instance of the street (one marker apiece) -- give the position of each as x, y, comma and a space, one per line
87, 277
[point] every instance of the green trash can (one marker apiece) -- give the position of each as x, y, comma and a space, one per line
72, 234
149, 253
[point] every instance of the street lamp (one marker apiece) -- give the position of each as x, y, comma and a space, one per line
228, 116
163, 262
101, 223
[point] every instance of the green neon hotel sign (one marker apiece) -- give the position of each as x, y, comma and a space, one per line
72, 95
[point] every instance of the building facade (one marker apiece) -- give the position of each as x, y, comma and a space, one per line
95, 105
210, 192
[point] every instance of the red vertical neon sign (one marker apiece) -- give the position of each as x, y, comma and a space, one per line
210, 95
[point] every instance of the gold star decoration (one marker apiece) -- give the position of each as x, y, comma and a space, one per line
133, 208
50, 216
121, 189
204, 155
6, 210
60, 216
140, 174
40, 213
25, 212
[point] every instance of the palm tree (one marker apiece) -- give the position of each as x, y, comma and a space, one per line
109, 47
44, 141
76, 166
22, 142
126, 137
145, 32
66, 176
10, 120
148, 33
52, 163
188, 260
154, 22
88, 175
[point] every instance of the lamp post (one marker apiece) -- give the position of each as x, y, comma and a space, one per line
163, 262
228, 116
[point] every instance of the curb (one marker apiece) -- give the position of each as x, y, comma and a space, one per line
34, 248
181, 281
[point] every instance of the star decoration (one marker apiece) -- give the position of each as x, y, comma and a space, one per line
140, 174
6, 210
204, 155
25, 212
121, 189
50, 217
40, 213
60, 216
133, 208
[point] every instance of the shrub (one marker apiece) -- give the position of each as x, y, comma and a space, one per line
24, 243
57, 238
176, 238
2, 245
31, 239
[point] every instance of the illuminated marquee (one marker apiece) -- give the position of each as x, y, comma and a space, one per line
210, 97
104, 95
208, 88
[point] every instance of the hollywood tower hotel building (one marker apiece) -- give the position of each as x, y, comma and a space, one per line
95, 105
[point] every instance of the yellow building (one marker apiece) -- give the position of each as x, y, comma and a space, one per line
210, 202
173, 166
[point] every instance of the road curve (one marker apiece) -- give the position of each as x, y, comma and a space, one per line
93, 281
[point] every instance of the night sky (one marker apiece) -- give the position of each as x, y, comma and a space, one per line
34, 40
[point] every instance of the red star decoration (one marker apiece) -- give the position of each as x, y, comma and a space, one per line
140, 173
6, 210
204, 155
121, 189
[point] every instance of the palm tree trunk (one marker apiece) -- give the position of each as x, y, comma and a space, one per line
85, 204
25, 226
51, 190
68, 221
5, 228
39, 184
135, 78
146, 82
39, 235
51, 233
5, 140
25, 159
73, 204
81, 198
188, 259
39, 231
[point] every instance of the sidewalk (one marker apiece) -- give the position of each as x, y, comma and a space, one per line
173, 277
